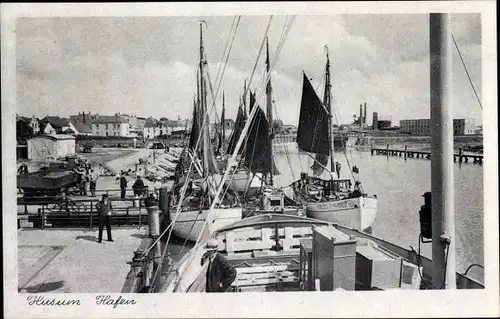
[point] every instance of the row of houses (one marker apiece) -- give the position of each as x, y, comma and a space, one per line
122, 125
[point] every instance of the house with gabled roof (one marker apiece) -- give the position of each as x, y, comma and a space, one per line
81, 127
59, 124
110, 125
154, 128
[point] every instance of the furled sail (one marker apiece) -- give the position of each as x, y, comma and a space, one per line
212, 163
238, 128
195, 129
312, 133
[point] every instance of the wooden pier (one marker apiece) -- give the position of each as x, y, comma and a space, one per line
460, 157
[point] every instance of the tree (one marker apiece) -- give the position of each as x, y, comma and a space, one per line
23, 130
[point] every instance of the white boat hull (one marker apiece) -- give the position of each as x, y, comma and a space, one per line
189, 224
358, 213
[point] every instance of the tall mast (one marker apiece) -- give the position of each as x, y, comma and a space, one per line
328, 106
203, 100
269, 114
245, 99
223, 120
442, 179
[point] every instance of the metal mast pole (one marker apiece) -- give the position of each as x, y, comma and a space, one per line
223, 120
205, 121
442, 179
328, 106
269, 111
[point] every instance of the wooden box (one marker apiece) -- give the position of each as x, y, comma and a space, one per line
334, 259
377, 268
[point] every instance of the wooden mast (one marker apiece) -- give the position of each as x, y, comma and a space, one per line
269, 112
328, 106
203, 100
223, 120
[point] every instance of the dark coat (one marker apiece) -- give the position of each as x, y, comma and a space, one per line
138, 184
104, 208
219, 271
123, 182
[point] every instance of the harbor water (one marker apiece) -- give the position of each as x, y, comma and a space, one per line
399, 186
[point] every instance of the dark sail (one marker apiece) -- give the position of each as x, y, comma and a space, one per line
312, 133
252, 102
319, 165
258, 151
238, 128
195, 129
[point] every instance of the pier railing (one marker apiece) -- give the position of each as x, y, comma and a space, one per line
406, 153
74, 212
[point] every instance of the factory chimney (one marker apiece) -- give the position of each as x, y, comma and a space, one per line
360, 118
364, 116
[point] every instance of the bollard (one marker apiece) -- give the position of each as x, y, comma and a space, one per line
317, 284
43, 218
136, 271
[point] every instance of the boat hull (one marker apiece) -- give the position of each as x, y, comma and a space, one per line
358, 213
189, 224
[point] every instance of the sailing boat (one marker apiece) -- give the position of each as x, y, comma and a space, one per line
289, 253
327, 199
242, 180
191, 214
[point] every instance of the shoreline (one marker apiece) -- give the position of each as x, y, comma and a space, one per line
467, 143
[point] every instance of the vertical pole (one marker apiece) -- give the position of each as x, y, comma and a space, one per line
442, 179
269, 112
91, 213
406, 150
43, 217
328, 105
140, 219
154, 232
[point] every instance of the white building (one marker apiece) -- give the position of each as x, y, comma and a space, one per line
423, 127
34, 123
105, 125
42, 147
153, 128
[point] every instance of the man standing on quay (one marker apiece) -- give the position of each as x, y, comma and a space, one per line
104, 208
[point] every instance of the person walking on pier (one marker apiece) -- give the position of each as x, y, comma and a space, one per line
220, 273
123, 185
104, 208
93, 181
138, 186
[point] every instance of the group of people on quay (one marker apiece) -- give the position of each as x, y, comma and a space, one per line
86, 175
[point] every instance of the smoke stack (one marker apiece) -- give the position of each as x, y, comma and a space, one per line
83, 117
364, 116
360, 119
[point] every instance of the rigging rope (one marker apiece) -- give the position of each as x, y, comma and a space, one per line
253, 113
467, 72
184, 187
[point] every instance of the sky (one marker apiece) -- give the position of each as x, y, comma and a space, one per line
147, 65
